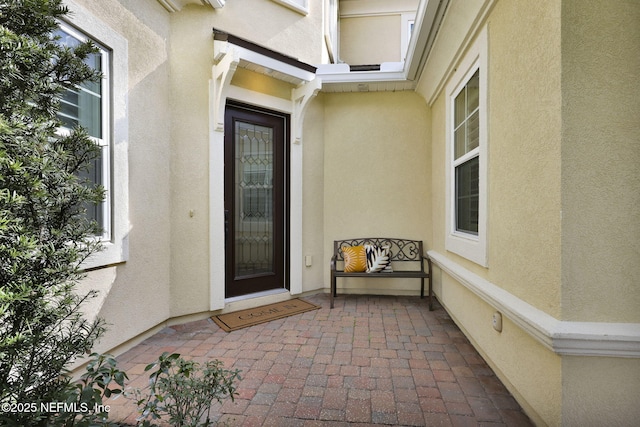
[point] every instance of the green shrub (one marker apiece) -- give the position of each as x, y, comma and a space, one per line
184, 391
45, 235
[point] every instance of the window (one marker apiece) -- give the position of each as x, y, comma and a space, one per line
88, 106
102, 109
467, 155
466, 149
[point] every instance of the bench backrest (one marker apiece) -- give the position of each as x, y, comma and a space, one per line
401, 249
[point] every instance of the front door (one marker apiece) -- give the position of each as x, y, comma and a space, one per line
255, 200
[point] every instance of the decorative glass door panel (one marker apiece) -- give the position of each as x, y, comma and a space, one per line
254, 199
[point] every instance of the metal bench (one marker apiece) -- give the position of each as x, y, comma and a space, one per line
407, 259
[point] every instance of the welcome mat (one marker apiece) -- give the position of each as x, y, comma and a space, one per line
254, 316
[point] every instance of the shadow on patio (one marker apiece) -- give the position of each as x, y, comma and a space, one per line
369, 361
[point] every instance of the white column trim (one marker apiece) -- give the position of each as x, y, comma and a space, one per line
226, 62
301, 96
562, 337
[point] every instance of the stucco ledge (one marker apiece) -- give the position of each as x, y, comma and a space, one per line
562, 337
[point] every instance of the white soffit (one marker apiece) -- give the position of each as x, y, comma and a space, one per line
177, 5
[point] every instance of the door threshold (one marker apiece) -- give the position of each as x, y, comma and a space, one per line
256, 295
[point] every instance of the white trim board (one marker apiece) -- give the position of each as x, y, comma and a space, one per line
562, 337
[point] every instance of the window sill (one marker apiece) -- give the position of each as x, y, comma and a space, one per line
467, 246
112, 253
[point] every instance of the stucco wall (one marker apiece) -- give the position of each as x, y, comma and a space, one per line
313, 196
370, 39
371, 31
600, 158
376, 174
599, 391
523, 188
563, 190
135, 295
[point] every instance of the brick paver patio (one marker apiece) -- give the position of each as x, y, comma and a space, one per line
369, 361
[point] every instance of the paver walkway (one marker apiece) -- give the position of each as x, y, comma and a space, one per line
369, 361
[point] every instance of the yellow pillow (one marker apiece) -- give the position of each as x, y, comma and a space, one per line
355, 259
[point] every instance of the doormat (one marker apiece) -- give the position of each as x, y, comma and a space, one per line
266, 313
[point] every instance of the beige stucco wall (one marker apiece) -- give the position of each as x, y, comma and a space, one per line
376, 174
563, 191
523, 148
600, 391
371, 30
267, 23
600, 158
313, 195
523, 191
135, 294
370, 39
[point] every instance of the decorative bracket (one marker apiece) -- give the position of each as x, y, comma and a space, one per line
301, 96
226, 62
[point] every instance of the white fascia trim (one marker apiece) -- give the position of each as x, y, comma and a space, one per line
562, 337
340, 73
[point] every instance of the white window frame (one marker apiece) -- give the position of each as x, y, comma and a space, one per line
300, 6
104, 141
470, 246
115, 134
408, 21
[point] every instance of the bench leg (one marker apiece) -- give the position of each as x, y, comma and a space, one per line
430, 287
422, 287
332, 291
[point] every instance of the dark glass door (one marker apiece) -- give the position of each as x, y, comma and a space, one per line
255, 200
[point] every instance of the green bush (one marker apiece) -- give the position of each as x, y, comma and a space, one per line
45, 235
184, 391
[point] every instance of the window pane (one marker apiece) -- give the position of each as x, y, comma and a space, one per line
473, 131
82, 106
460, 108
467, 118
90, 113
94, 177
467, 178
253, 216
473, 93
460, 136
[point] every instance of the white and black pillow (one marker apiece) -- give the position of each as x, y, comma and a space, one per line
378, 258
